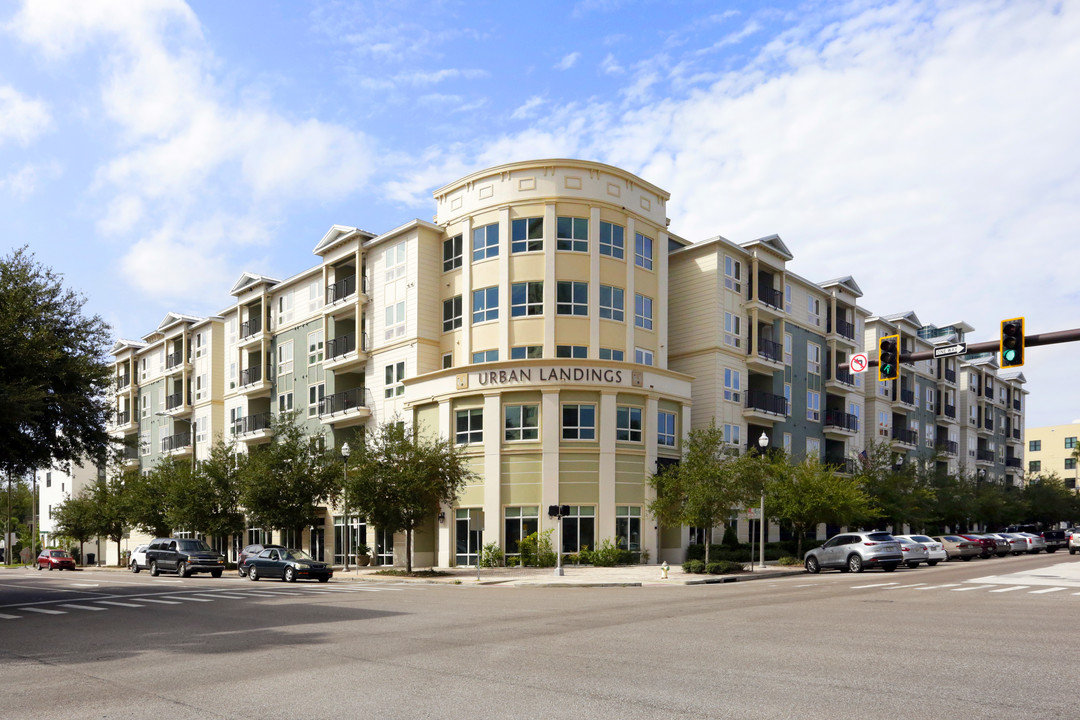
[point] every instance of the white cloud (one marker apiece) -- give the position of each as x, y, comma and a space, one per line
431, 77
527, 108
22, 119
568, 61
22, 183
611, 66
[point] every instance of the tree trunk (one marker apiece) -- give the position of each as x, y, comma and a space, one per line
708, 542
408, 551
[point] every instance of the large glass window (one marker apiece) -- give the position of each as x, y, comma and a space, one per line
643, 311
643, 356
395, 262
1034, 445
579, 422
470, 426
316, 394
468, 540
521, 522
395, 376
451, 252
612, 354
485, 242
572, 351
611, 240
628, 423
628, 527
665, 428
733, 274
285, 358
526, 298
451, 313
579, 529
571, 298
485, 356
522, 422
572, 233
1070, 443
485, 304
315, 347
526, 352
395, 320
643, 251
611, 303
358, 536
526, 235
732, 385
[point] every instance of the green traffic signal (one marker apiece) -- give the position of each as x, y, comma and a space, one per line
888, 358
1012, 342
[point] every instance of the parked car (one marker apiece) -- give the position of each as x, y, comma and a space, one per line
959, 547
55, 560
987, 545
138, 559
1035, 544
251, 551
1054, 539
1012, 544
914, 552
287, 564
184, 557
935, 551
856, 551
1074, 543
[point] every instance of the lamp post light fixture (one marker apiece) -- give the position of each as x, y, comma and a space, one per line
763, 442
345, 500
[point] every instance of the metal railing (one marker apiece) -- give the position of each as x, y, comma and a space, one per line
907, 396
843, 376
174, 401
342, 401
842, 464
770, 296
173, 359
845, 329
252, 423
344, 288
1012, 462
984, 455
251, 375
250, 327
769, 350
123, 381
950, 411
766, 402
123, 418
842, 420
950, 375
345, 344
950, 447
907, 437
175, 442
1016, 433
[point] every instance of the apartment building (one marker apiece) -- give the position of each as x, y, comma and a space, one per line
1053, 449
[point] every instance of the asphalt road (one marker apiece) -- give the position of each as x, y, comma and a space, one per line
943, 642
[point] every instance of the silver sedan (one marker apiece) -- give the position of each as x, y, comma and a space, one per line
935, 551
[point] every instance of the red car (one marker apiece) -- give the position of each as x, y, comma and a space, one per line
55, 560
987, 546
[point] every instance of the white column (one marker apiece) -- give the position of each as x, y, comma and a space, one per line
504, 284
492, 469
650, 538
594, 282
445, 533
549, 280
550, 436
630, 266
661, 306
605, 513
465, 357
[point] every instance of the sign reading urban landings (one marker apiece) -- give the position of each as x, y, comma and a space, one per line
560, 375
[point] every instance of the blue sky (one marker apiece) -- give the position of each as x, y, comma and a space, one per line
929, 149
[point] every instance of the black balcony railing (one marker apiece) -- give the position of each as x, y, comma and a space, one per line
841, 375
1016, 404
250, 327
984, 455
766, 402
1013, 462
950, 375
123, 381
174, 401
123, 418
988, 421
845, 329
842, 420
907, 396
175, 442
950, 411
842, 464
342, 289
251, 375
252, 423
950, 447
769, 350
1016, 433
341, 346
907, 437
342, 401
131, 453
173, 359
770, 296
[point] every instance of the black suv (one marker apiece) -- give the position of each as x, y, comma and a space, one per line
251, 551
183, 556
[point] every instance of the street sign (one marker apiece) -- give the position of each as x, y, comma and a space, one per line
859, 362
950, 350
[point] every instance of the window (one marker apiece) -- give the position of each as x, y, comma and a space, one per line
732, 330
142, 369
395, 375
485, 304
526, 235
467, 540
643, 356
285, 358
521, 522
485, 242
285, 308
643, 312
733, 434
579, 529
665, 428
572, 298
1070, 463
526, 298
572, 234
144, 443
787, 298
813, 448
315, 395
813, 405
202, 386
448, 360
485, 356
732, 274
200, 345
315, 347
395, 262
1070, 443
1035, 466
470, 426
527, 352
1034, 445
732, 385
813, 358
451, 253
451, 314
315, 295
611, 240
522, 422
787, 397
928, 435
395, 320
643, 251
787, 349
572, 351
579, 422
612, 354
813, 311
48, 479
611, 303
628, 423
285, 402
628, 527
787, 443
930, 398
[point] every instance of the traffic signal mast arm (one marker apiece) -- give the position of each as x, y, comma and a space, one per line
1050, 338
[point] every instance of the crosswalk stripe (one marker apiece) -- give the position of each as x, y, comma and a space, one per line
900, 587
860, 587
192, 599
43, 611
82, 607
118, 604
222, 595
259, 593
10, 617
938, 587
160, 602
1047, 590
1015, 587
972, 587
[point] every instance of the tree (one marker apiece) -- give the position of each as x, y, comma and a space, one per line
283, 482
109, 512
53, 370
402, 477
899, 491
707, 485
954, 500
146, 497
803, 496
1048, 500
76, 518
220, 476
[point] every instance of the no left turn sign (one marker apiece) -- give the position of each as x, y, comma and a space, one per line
859, 363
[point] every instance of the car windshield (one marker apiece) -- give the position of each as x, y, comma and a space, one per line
954, 538
194, 546
59, 553
295, 555
881, 537
921, 538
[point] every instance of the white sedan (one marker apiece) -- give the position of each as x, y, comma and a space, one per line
138, 559
935, 550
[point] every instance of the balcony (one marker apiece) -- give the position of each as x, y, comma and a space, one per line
253, 428
173, 361
769, 357
123, 382
843, 465
984, 457
950, 412
906, 438
252, 382
344, 408
123, 421
907, 397
129, 458
251, 331
175, 401
840, 423
843, 329
1012, 462
343, 355
768, 301
841, 380
950, 376
1016, 405
1016, 434
948, 447
178, 444
345, 288
764, 406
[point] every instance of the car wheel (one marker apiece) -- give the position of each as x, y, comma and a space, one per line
913, 565
889, 567
50, 567
154, 569
965, 558
854, 564
812, 565
931, 563
215, 573
134, 566
182, 569
39, 567
325, 579
1072, 551
253, 573
289, 575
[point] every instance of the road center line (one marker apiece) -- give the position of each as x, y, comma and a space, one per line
972, 587
938, 587
1014, 587
118, 604
860, 587
1047, 590
83, 607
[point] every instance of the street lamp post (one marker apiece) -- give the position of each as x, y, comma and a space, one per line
763, 442
345, 500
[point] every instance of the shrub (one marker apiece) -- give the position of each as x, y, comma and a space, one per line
731, 539
536, 549
585, 556
513, 561
491, 556
693, 566
606, 554
724, 567
788, 561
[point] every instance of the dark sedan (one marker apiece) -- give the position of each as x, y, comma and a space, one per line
288, 564
55, 560
252, 551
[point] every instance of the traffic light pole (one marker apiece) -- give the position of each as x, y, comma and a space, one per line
1050, 338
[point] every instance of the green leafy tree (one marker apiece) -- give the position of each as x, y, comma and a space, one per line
954, 500
1048, 500
54, 373
997, 506
800, 497
220, 476
284, 481
401, 478
146, 498
109, 510
710, 481
900, 492
77, 518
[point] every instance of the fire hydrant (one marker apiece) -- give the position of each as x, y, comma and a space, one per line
664, 570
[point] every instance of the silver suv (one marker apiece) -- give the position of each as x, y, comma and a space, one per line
856, 551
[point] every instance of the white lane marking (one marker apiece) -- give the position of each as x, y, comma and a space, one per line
117, 604
860, 587
1014, 587
161, 602
1047, 590
808, 585
938, 587
82, 607
192, 599
900, 587
222, 595
972, 587
10, 617
260, 593
43, 611
85, 585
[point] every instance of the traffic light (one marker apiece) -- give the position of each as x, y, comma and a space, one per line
888, 357
1012, 342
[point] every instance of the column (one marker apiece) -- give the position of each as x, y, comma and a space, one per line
550, 436
444, 540
605, 513
492, 469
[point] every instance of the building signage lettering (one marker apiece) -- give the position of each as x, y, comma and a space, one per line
550, 375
